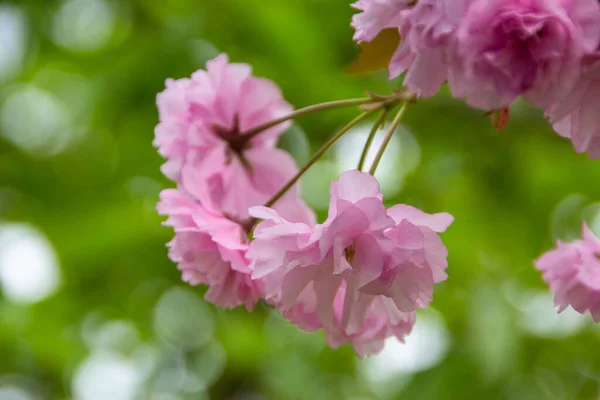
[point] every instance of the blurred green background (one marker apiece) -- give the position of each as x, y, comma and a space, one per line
92, 309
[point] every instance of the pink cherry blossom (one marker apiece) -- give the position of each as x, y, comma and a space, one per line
361, 274
210, 246
201, 122
235, 184
508, 48
572, 270
210, 249
427, 30
375, 16
576, 116
490, 51
381, 321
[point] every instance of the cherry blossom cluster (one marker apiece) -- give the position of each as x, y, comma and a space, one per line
359, 276
242, 228
491, 52
219, 176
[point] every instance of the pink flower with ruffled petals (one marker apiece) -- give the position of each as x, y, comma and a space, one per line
428, 31
210, 249
426, 28
576, 116
210, 246
202, 119
508, 48
235, 185
381, 320
418, 230
361, 274
572, 271
375, 16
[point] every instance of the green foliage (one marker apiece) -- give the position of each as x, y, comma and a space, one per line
89, 183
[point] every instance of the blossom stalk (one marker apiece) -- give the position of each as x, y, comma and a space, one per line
319, 153
373, 99
380, 122
388, 137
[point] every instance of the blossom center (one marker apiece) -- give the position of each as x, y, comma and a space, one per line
235, 146
245, 225
232, 136
349, 253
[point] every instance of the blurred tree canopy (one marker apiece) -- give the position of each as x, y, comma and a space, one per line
90, 305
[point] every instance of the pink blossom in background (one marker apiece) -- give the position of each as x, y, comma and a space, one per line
361, 274
210, 249
508, 48
572, 271
426, 29
375, 16
576, 116
490, 51
201, 117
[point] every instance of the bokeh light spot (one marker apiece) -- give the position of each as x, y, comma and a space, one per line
182, 320
165, 396
35, 121
29, 270
14, 393
120, 336
83, 25
539, 317
402, 156
424, 348
106, 376
207, 366
13, 46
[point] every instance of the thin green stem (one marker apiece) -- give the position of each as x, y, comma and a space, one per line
318, 155
245, 137
378, 124
388, 137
